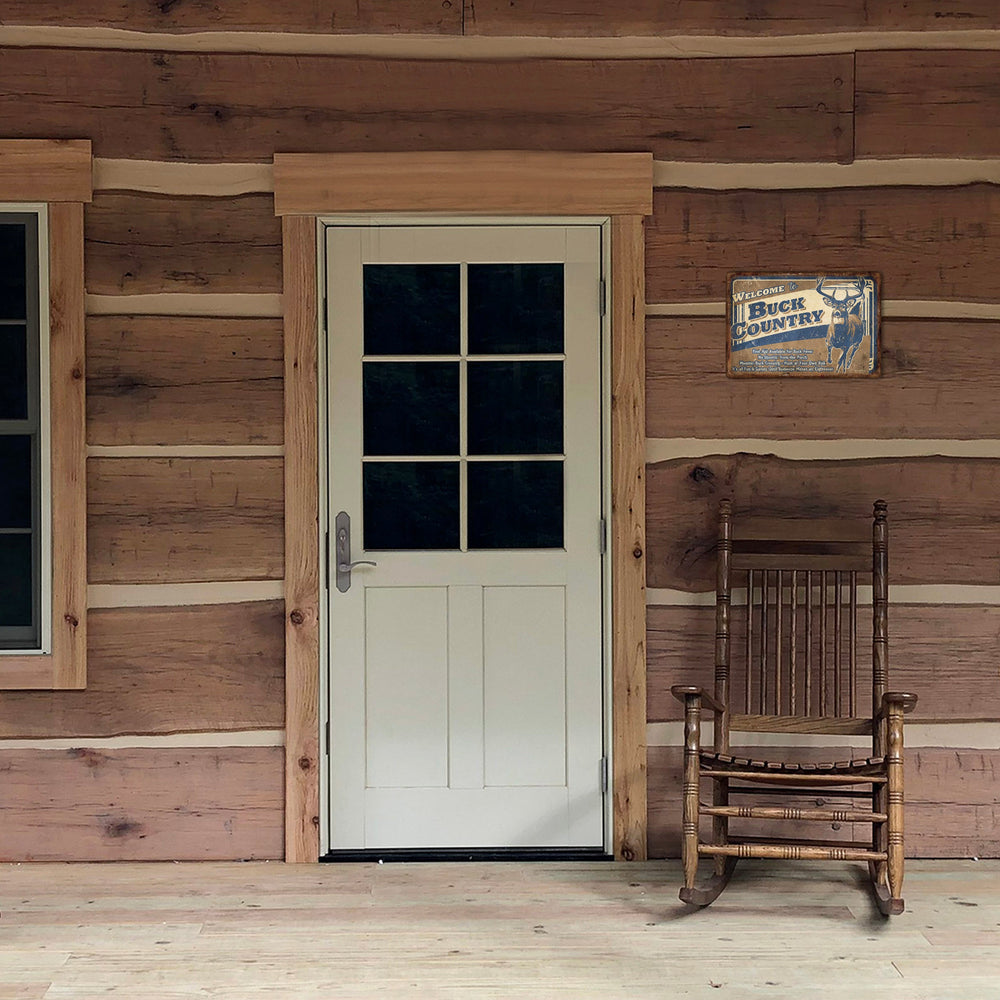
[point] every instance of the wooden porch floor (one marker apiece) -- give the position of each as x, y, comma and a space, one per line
255, 930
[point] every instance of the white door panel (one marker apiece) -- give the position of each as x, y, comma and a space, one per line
465, 675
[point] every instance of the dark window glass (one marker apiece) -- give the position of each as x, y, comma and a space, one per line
516, 308
13, 373
412, 308
515, 407
16, 586
411, 407
515, 505
411, 505
12, 272
15, 481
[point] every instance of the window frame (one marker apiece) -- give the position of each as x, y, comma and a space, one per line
54, 179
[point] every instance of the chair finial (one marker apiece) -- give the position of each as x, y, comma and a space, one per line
881, 510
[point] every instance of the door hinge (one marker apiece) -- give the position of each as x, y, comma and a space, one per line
603, 296
326, 561
327, 736
603, 540
604, 775
326, 317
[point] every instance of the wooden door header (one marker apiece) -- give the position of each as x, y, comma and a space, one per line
511, 182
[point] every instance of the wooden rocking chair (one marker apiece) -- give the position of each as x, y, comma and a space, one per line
797, 671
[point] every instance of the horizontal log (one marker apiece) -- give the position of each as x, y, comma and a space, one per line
939, 380
180, 520
326, 16
162, 380
142, 805
237, 107
926, 244
941, 511
922, 640
918, 103
951, 808
145, 243
165, 670
721, 17
45, 170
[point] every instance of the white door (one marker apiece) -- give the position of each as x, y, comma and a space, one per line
465, 465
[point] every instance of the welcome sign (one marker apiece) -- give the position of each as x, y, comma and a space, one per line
803, 324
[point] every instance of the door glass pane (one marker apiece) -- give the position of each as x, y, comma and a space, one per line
16, 587
412, 308
516, 308
411, 407
13, 373
515, 407
15, 481
515, 505
411, 505
12, 276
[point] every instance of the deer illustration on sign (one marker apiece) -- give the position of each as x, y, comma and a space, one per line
846, 329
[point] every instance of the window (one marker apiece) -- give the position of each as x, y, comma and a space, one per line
43, 572
25, 589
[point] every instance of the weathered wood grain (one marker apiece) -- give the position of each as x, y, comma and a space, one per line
45, 170
177, 520
233, 107
942, 103
146, 243
141, 805
941, 511
326, 16
951, 808
718, 17
947, 655
165, 670
926, 244
939, 379
162, 380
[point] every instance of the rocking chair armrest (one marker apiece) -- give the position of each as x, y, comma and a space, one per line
683, 691
907, 701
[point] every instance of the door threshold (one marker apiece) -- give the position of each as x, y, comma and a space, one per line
519, 854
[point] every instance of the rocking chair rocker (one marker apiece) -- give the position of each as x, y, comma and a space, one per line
798, 672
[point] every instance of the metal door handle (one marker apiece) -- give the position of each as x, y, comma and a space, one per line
342, 560
347, 567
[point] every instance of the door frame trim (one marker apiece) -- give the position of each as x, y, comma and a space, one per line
514, 183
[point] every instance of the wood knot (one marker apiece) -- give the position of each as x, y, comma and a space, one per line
77, 373
628, 854
296, 617
314, 820
701, 474
637, 552
72, 621
305, 763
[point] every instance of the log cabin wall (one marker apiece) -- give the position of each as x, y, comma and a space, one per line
807, 139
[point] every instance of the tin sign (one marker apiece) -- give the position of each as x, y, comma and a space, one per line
803, 324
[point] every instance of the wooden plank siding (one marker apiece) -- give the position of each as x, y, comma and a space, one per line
951, 804
696, 238
178, 520
939, 379
947, 653
719, 17
927, 103
939, 511
141, 804
214, 668
323, 16
230, 107
172, 380
142, 243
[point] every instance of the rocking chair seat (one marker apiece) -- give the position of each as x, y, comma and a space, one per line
727, 762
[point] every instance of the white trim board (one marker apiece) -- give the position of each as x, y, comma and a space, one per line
899, 594
169, 595
811, 450
240, 738
249, 305
891, 309
964, 735
419, 46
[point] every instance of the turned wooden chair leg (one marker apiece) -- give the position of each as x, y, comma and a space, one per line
720, 824
894, 789
692, 783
